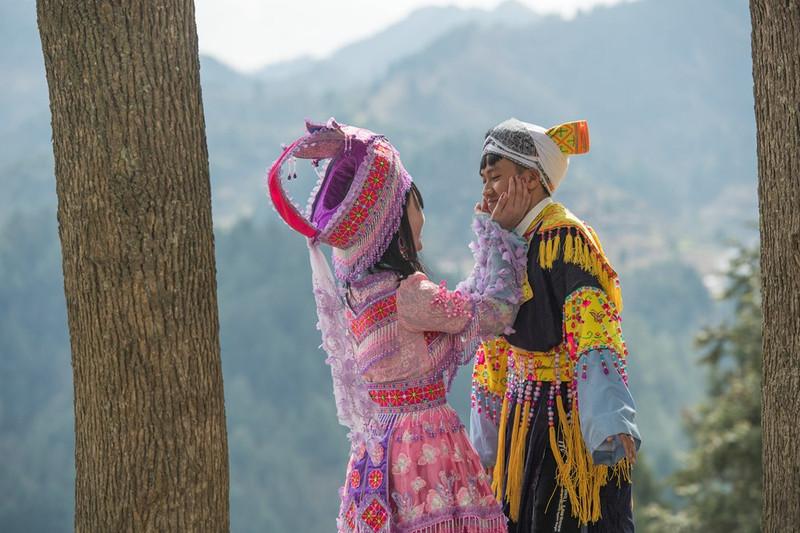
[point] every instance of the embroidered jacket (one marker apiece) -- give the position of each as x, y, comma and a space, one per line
567, 331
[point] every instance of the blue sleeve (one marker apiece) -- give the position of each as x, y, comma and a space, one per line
483, 434
606, 408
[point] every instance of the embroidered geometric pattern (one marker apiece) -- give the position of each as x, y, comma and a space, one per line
344, 233
350, 516
422, 395
363, 227
515, 136
375, 479
571, 138
375, 314
375, 515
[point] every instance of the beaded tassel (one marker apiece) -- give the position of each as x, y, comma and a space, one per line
498, 479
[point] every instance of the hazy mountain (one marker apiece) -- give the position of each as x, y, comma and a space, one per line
368, 60
669, 102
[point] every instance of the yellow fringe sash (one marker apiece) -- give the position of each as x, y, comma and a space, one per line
576, 471
575, 468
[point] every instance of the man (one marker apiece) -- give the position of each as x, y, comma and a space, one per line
552, 416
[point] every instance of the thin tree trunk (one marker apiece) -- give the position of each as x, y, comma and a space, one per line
134, 212
776, 72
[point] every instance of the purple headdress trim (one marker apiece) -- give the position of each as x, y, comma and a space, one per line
375, 234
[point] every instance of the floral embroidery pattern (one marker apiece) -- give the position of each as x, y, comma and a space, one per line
592, 323
434, 501
375, 479
401, 464
374, 314
375, 515
406, 508
464, 497
440, 481
430, 455
355, 479
433, 393
350, 516
352, 222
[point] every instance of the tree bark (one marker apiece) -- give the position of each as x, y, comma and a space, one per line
776, 72
134, 213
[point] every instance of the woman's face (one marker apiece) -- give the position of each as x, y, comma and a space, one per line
416, 219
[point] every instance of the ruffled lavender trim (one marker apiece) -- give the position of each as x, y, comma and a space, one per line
354, 407
498, 254
379, 232
474, 518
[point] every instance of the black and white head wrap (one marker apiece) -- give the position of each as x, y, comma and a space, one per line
530, 146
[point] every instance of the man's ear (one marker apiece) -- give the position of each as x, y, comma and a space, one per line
533, 180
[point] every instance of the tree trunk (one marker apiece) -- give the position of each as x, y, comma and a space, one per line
134, 213
776, 72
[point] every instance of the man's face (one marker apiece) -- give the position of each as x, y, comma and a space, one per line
496, 179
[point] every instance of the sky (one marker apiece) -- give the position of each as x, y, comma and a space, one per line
248, 34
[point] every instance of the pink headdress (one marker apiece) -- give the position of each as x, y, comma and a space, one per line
357, 206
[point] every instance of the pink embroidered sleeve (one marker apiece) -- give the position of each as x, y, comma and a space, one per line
483, 306
424, 306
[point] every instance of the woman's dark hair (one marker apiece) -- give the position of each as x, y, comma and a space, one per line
407, 262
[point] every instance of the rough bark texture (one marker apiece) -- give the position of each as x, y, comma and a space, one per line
776, 72
134, 212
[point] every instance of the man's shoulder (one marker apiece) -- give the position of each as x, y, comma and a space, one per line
556, 216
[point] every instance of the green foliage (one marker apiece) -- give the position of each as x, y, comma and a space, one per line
720, 482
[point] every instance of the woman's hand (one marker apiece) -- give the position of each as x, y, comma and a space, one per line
482, 207
630, 446
513, 205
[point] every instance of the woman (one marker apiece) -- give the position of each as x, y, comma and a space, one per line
394, 338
